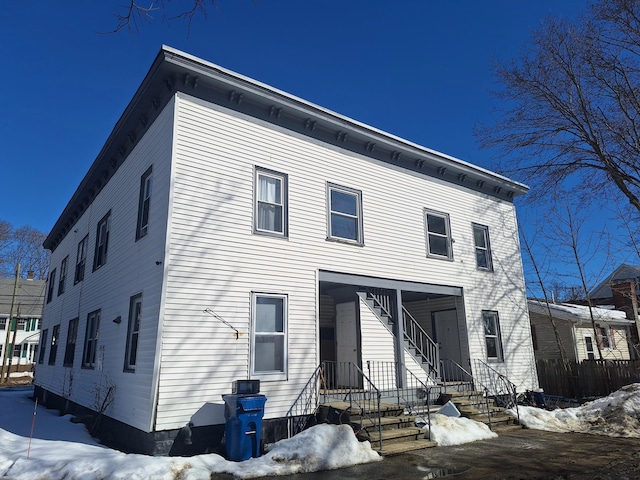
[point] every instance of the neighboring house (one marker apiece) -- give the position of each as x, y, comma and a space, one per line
27, 312
577, 335
228, 230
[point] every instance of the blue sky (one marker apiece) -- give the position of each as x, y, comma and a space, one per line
418, 69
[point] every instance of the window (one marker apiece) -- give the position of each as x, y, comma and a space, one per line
135, 314
270, 211
438, 235
269, 334
43, 343
604, 337
144, 203
17, 350
70, 349
345, 214
91, 340
81, 259
492, 335
63, 275
3, 323
589, 347
102, 242
52, 280
19, 323
483, 250
54, 344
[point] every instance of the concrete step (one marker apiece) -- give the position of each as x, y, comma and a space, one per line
385, 422
402, 447
367, 407
393, 435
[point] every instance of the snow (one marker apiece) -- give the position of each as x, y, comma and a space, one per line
62, 449
617, 415
449, 431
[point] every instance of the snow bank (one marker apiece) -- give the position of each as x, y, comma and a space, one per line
456, 430
63, 450
617, 415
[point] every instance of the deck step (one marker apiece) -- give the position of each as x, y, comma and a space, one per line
385, 422
394, 435
366, 407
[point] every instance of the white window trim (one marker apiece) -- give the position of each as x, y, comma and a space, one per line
359, 240
497, 336
447, 235
133, 302
276, 375
284, 201
96, 321
146, 191
487, 248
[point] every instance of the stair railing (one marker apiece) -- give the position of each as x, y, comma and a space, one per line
346, 382
451, 372
498, 386
426, 349
306, 404
415, 396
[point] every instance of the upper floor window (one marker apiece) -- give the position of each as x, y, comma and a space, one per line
144, 203
270, 211
52, 281
483, 249
135, 314
53, 349
62, 281
81, 259
492, 336
438, 234
269, 336
91, 340
345, 213
102, 241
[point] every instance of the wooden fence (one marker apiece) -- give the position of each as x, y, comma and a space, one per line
586, 379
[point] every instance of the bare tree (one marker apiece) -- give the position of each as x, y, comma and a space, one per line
22, 246
572, 105
137, 12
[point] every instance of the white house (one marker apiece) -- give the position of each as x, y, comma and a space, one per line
228, 230
23, 298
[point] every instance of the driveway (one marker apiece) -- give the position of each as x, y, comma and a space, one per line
516, 454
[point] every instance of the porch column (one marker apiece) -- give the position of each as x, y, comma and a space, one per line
399, 343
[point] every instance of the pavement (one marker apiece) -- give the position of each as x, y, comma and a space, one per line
515, 454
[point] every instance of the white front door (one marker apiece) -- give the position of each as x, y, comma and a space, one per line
447, 334
346, 340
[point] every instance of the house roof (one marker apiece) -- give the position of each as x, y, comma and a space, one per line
29, 297
175, 71
620, 274
579, 313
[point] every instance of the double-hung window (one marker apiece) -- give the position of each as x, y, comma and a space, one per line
102, 241
345, 213
482, 246
269, 336
43, 344
604, 337
144, 203
133, 331
492, 335
270, 210
91, 340
52, 281
70, 349
81, 259
62, 281
53, 349
438, 235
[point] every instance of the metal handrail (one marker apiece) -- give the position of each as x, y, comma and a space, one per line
497, 386
346, 381
305, 404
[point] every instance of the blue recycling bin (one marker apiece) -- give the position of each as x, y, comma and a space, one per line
243, 415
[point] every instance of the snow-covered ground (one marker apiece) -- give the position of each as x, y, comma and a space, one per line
617, 415
62, 449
